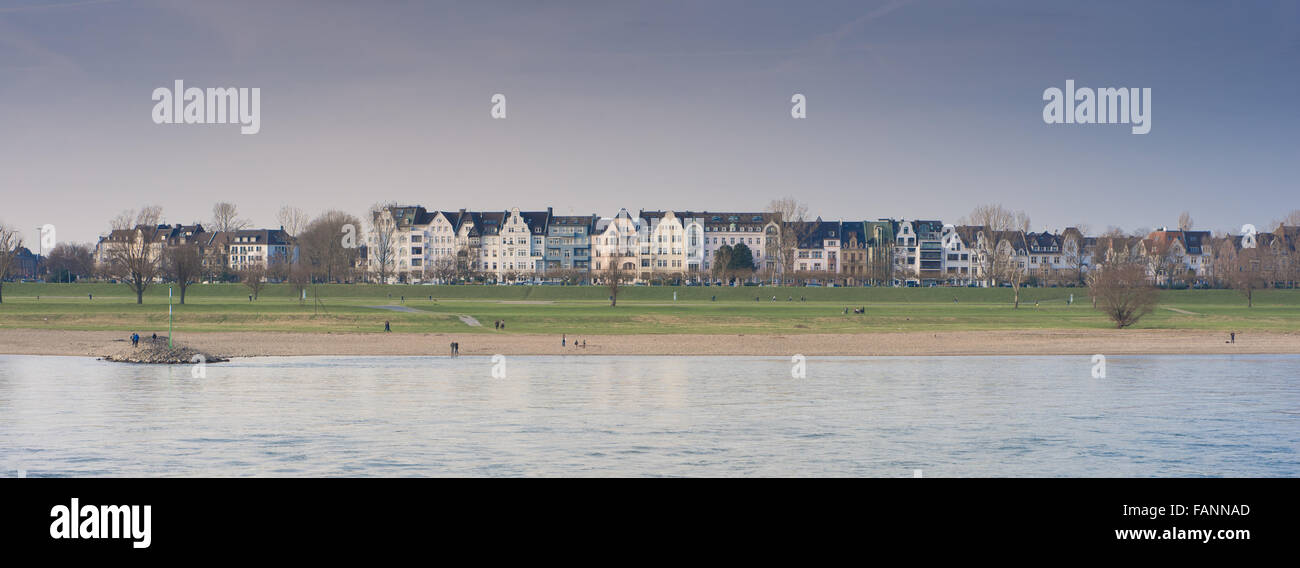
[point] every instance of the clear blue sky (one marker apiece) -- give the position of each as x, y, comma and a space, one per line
915, 109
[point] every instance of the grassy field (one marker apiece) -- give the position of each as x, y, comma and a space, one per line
585, 309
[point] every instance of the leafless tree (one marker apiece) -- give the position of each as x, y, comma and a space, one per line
225, 217
70, 261
1185, 221
1123, 292
1165, 261
254, 278
299, 279
292, 219
614, 276
1246, 274
150, 215
183, 265
467, 262
328, 245
443, 269
134, 261
382, 242
720, 268
10, 242
997, 225
791, 217
1073, 247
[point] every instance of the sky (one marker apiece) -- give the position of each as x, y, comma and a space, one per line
921, 109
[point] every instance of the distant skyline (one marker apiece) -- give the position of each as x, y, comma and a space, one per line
920, 109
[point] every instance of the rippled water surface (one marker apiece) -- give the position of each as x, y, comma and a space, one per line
636, 416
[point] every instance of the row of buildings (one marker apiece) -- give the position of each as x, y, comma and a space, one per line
413, 244
417, 245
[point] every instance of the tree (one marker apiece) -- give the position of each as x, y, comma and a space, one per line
791, 217
722, 262
10, 242
70, 261
225, 217
299, 280
329, 246
150, 215
1123, 292
614, 276
253, 277
443, 269
997, 225
132, 255
292, 219
1185, 221
1072, 246
383, 245
183, 265
741, 258
1245, 274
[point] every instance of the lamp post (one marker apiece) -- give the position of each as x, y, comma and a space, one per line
169, 316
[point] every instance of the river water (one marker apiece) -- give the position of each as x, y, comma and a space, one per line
1227, 415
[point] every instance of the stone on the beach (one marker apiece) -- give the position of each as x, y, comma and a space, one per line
158, 353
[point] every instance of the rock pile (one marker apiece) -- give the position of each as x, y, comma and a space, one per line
157, 352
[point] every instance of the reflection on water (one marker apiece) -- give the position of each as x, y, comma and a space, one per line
614, 416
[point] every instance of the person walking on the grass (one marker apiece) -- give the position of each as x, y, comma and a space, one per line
387, 327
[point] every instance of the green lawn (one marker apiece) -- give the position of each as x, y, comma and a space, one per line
585, 309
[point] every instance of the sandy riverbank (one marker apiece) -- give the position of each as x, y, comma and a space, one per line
1035, 342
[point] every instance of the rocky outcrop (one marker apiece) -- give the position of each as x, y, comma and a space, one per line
158, 353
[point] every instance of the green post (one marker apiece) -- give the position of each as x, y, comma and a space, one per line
169, 316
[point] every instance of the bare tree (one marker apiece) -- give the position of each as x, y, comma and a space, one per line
721, 267
299, 279
292, 219
150, 215
997, 224
791, 217
134, 260
70, 261
254, 278
614, 276
225, 217
10, 242
467, 262
443, 269
383, 242
183, 265
1246, 273
329, 246
1185, 221
1123, 292
1073, 246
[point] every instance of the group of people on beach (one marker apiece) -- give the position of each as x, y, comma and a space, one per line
564, 339
135, 339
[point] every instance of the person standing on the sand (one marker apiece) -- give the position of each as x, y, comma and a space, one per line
562, 339
1232, 337
135, 340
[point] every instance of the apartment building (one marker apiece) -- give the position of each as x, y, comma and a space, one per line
617, 244
568, 242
